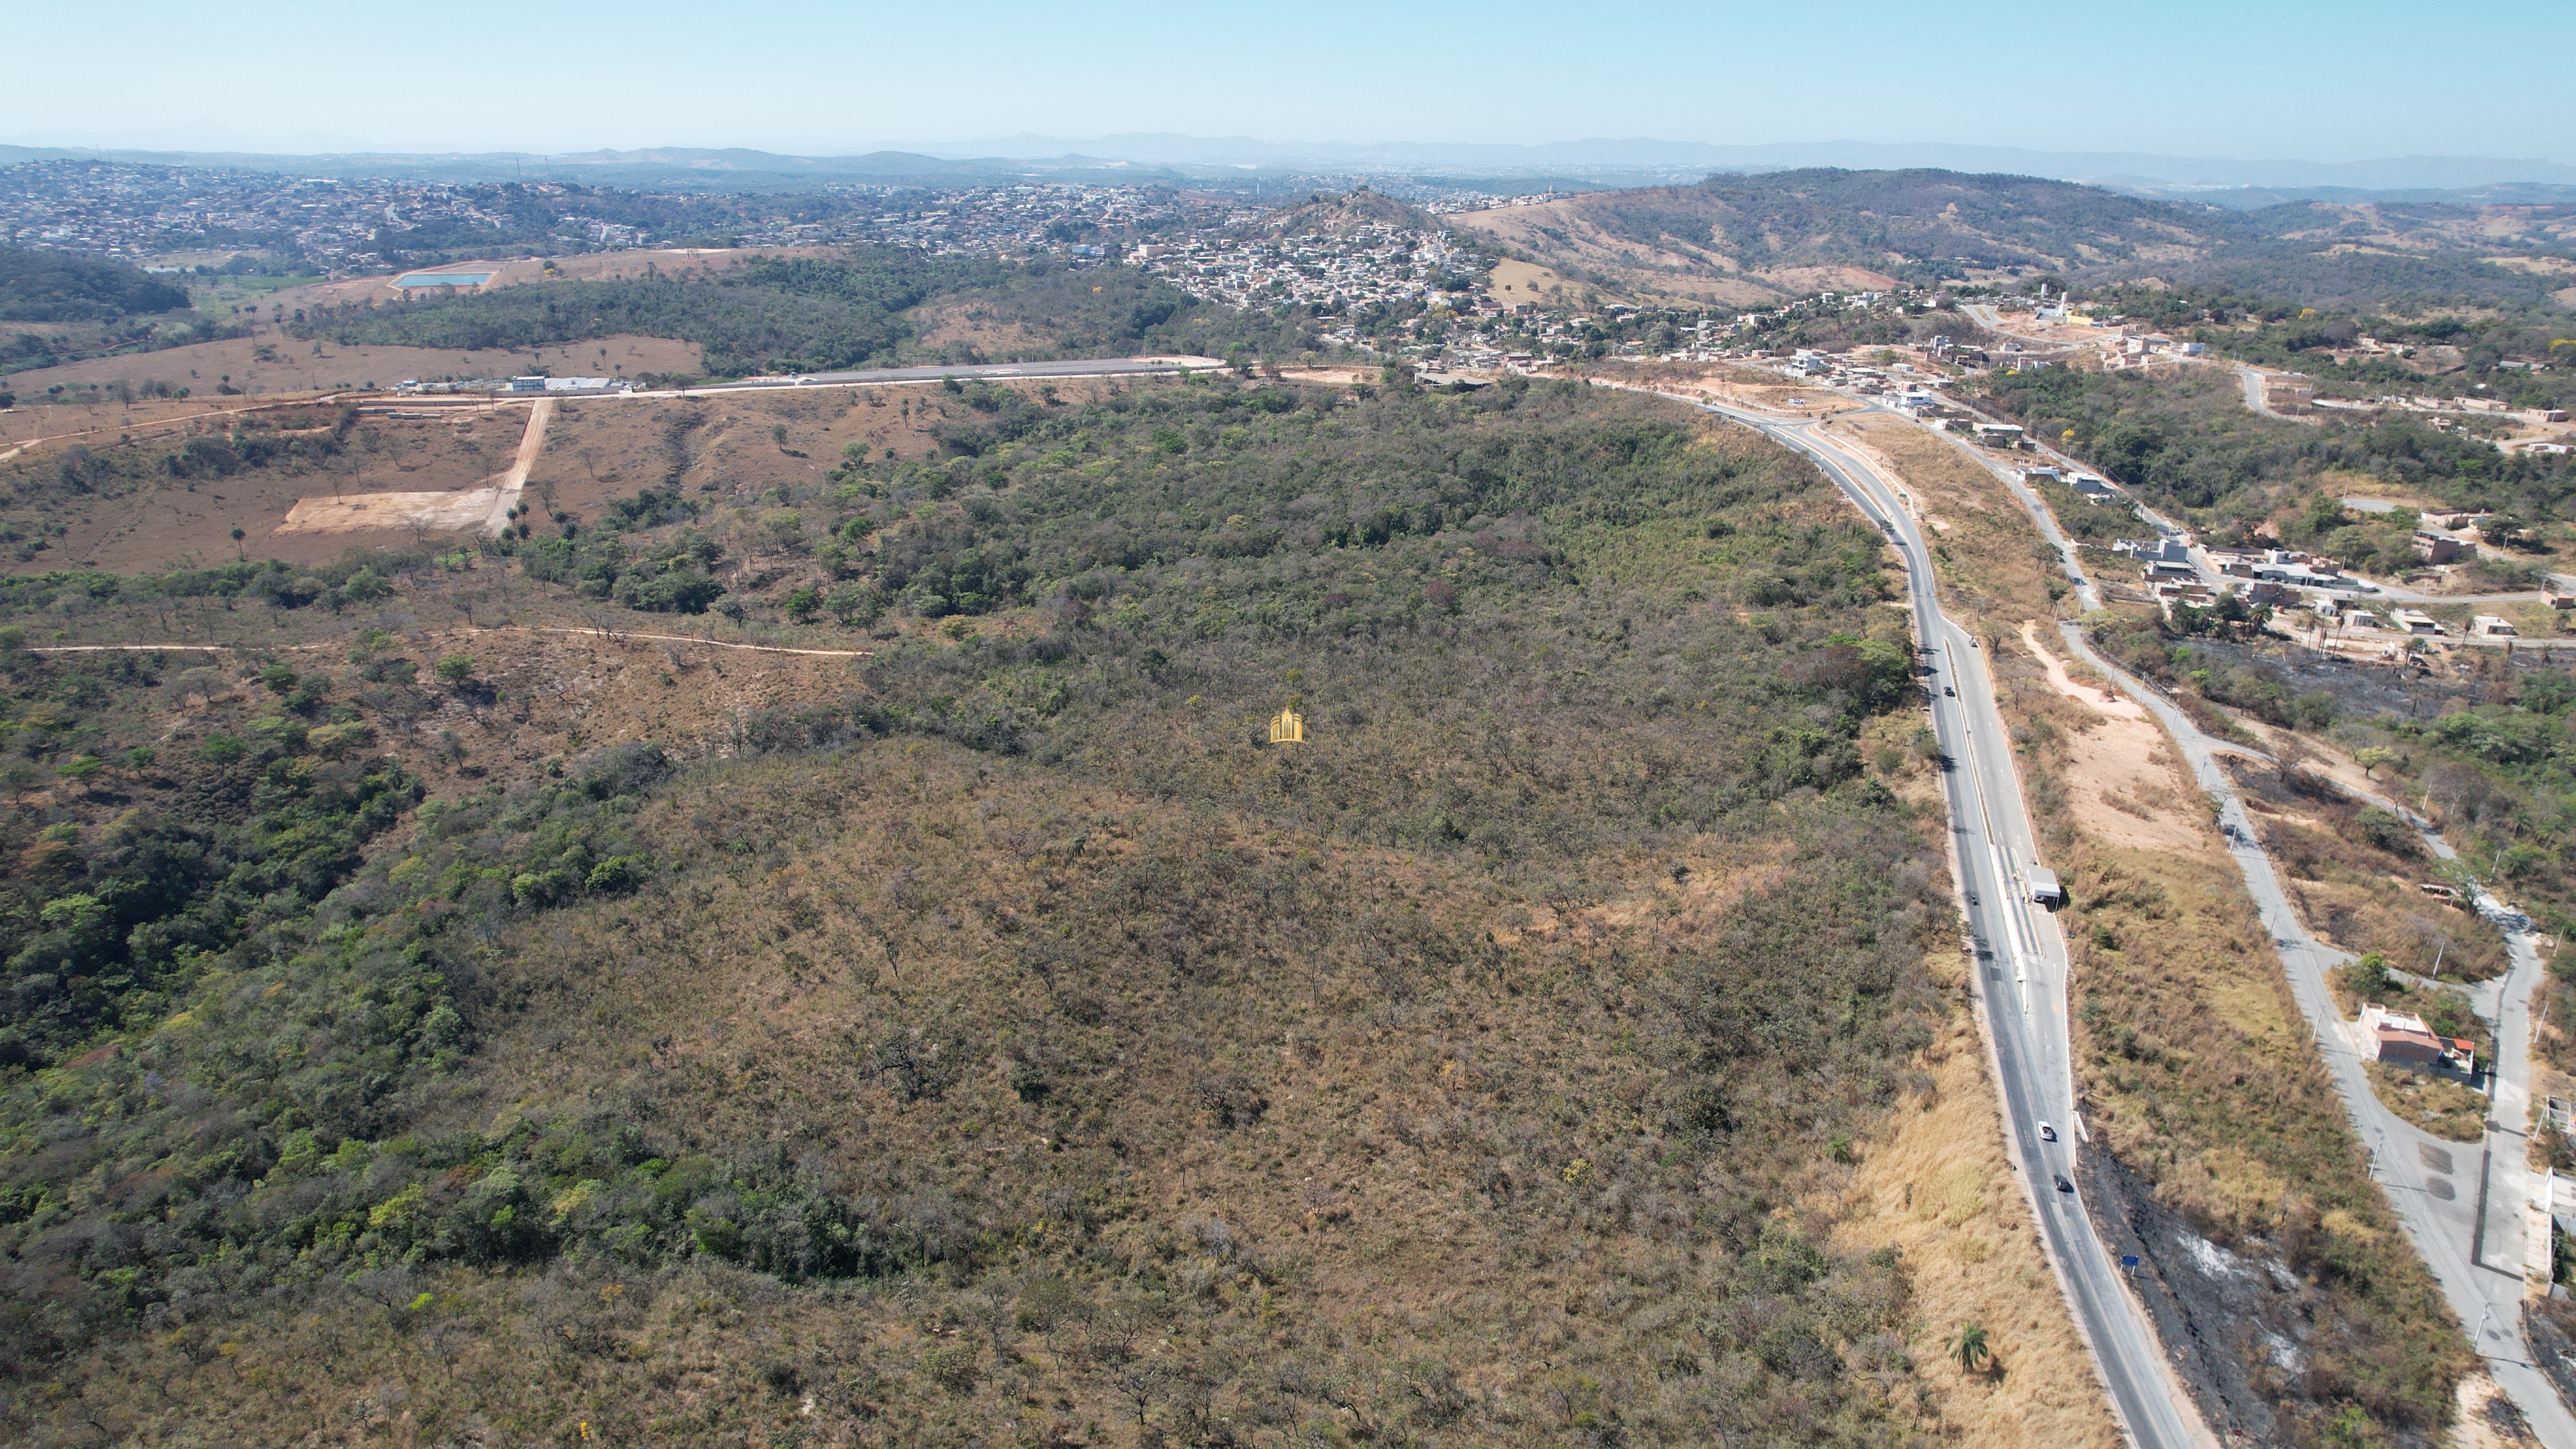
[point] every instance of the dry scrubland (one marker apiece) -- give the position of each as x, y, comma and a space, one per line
274, 363
135, 512
2199, 1075
2353, 871
994, 1037
1569, 237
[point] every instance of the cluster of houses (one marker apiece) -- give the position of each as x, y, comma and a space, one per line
2294, 567
1372, 264
350, 224
2141, 347
1940, 348
2345, 614
121, 209
1021, 218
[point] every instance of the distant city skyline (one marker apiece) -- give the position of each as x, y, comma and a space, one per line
2305, 81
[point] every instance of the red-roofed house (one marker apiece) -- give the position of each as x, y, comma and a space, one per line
2402, 1037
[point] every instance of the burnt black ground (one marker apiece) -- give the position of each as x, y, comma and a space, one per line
2239, 1325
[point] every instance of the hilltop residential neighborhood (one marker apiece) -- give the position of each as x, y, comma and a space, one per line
1373, 266
141, 212
158, 215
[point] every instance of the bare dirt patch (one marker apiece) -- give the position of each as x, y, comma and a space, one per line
467, 510
2121, 772
1330, 376
477, 510
2488, 1419
1513, 281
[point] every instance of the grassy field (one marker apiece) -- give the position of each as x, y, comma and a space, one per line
2443, 1108
172, 496
218, 299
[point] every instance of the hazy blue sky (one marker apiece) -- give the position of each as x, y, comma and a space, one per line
2246, 78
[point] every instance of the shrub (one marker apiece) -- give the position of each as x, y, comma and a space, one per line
222, 749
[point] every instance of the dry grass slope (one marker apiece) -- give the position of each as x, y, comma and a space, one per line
1510, 1064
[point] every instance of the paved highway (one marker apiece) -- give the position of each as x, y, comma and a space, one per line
2021, 962
2467, 1208
1071, 367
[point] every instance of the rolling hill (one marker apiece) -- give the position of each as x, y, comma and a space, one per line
1745, 240
62, 287
1343, 213
534, 1037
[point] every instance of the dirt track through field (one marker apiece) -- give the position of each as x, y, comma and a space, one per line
486, 509
180, 420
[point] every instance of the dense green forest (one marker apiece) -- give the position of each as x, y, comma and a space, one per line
1008, 1041
61, 287
780, 315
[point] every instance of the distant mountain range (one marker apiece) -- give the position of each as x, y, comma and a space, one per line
2176, 173
1747, 239
1177, 159
659, 168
